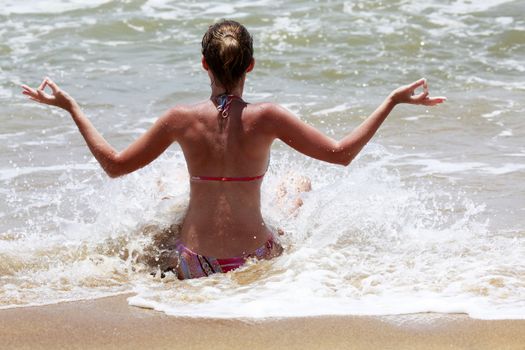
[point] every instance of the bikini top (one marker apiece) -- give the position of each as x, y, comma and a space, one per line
224, 102
223, 178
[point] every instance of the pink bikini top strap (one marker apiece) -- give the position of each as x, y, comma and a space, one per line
218, 178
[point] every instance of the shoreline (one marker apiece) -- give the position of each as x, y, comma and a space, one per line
110, 323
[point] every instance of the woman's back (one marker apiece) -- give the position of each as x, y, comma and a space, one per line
226, 157
234, 146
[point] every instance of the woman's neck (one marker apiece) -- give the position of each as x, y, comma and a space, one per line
217, 90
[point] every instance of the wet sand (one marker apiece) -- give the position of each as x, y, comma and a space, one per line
110, 323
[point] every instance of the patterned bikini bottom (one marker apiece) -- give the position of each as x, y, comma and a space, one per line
192, 265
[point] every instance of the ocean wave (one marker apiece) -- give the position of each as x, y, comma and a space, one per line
48, 6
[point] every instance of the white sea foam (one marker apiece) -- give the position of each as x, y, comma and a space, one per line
10, 173
497, 83
361, 244
337, 109
506, 133
504, 169
47, 6
492, 114
442, 167
457, 7
169, 10
466, 6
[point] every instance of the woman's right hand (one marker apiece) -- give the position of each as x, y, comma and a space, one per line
406, 94
59, 98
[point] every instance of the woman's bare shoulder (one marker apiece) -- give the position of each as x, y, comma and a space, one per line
267, 117
185, 113
267, 110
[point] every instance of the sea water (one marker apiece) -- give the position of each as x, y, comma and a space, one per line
429, 218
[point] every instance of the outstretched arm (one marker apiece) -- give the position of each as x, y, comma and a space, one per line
140, 153
310, 141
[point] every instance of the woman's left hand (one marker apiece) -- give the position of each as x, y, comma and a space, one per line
58, 98
407, 94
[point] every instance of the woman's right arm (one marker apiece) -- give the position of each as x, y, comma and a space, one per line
135, 156
311, 142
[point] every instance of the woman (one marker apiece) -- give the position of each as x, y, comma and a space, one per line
226, 144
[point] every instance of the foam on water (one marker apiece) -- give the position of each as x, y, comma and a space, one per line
47, 6
363, 243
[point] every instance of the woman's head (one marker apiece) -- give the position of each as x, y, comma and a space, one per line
227, 49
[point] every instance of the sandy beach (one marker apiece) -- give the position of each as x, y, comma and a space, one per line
110, 323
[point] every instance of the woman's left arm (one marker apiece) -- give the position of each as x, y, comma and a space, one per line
137, 155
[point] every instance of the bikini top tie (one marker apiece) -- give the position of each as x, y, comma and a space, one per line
224, 102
